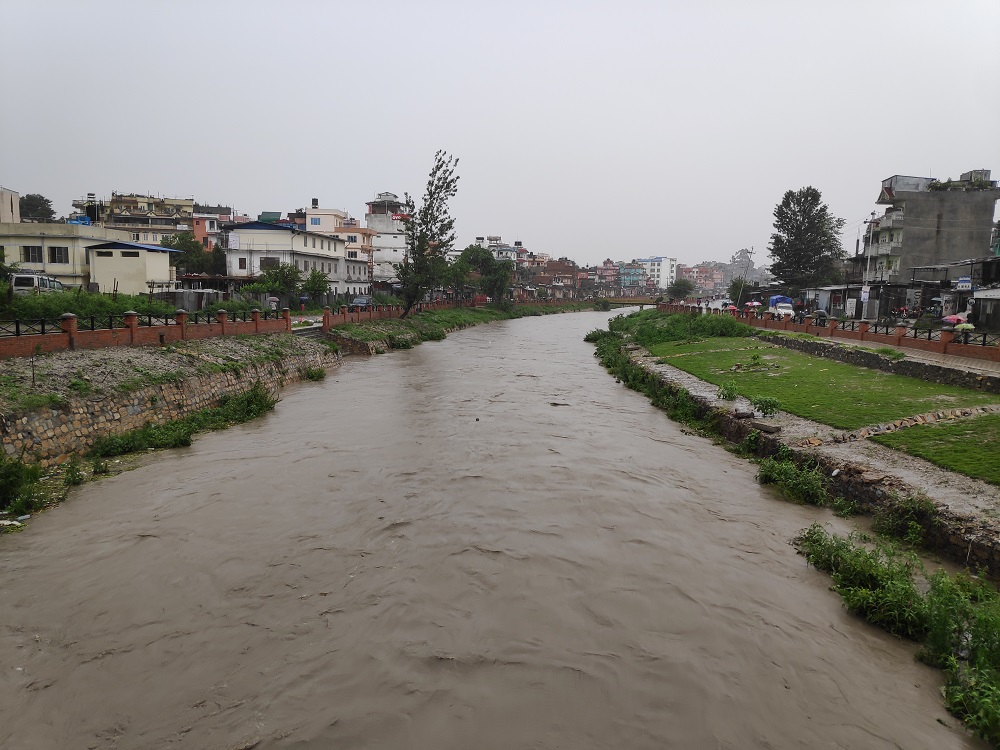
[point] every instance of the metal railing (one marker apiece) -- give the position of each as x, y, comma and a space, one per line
100, 323
29, 327
929, 334
848, 325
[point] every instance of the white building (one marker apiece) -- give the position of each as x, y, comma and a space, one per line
663, 271
258, 246
385, 215
324, 220
10, 207
130, 267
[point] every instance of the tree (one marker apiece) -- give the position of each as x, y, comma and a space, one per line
430, 234
35, 207
193, 257
680, 289
737, 290
283, 279
316, 283
806, 245
495, 276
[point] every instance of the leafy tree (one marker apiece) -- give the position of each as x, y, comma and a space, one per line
740, 289
193, 257
806, 245
283, 279
36, 207
430, 233
680, 289
495, 276
316, 284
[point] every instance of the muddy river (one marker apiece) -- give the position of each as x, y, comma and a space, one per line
484, 542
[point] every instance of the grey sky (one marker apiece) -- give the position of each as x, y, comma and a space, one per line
587, 129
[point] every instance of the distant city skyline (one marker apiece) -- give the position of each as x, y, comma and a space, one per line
587, 130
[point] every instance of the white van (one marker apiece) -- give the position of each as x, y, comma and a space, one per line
34, 283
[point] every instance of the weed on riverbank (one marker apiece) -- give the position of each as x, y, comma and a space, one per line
243, 407
956, 619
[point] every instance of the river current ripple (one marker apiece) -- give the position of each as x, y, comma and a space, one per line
482, 542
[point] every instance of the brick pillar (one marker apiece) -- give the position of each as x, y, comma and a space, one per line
947, 339
68, 323
220, 317
286, 313
327, 319
255, 317
900, 334
863, 328
132, 323
181, 317
343, 312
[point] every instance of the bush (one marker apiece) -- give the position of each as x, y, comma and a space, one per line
17, 482
909, 519
805, 484
312, 373
766, 405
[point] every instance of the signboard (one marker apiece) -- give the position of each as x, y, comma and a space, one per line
852, 307
964, 282
864, 293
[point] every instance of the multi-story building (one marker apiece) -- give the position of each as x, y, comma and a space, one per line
661, 271
10, 206
385, 215
148, 219
58, 250
927, 222
258, 246
207, 221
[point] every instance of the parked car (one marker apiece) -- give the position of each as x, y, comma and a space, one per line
360, 303
34, 283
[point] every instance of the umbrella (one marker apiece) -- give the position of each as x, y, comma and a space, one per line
965, 327
731, 307
755, 303
953, 319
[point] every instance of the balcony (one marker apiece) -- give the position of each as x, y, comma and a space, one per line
892, 219
884, 248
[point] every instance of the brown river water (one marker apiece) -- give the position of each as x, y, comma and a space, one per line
484, 542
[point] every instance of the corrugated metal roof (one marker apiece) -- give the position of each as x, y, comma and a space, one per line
118, 245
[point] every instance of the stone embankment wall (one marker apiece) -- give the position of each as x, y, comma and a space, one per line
52, 435
963, 539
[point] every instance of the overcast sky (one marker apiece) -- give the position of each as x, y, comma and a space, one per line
618, 129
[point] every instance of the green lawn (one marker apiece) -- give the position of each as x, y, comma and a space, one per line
825, 391
968, 446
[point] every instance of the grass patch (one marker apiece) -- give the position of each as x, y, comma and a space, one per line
968, 446
312, 373
832, 393
956, 621
243, 407
802, 484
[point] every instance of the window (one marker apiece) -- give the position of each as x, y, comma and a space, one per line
267, 263
297, 263
314, 242
305, 241
352, 253
352, 238
31, 253
243, 264
130, 253
211, 225
314, 221
145, 236
314, 265
155, 237
104, 253
58, 255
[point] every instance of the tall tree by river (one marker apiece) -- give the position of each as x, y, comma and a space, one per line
430, 233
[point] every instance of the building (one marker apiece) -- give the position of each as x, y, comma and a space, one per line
385, 215
58, 250
207, 222
661, 271
258, 246
10, 207
130, 267
148, 219
927, 222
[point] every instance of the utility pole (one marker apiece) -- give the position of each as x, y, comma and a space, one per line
743, 278
865, 288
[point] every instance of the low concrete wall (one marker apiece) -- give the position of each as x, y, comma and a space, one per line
52, 435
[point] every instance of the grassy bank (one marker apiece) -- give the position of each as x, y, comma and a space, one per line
434, 325
955, 618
